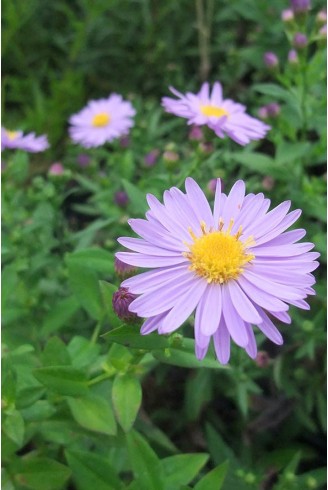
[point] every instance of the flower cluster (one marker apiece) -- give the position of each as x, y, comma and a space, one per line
236, 266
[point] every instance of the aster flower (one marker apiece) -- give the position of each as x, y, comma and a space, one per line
101, 121
16, 140
236, 267
223, 116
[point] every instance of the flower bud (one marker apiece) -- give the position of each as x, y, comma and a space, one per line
273, 109
83, 160
121, 199
262, 359
211, 186
321, 17
268, 183
56, 169
293, 57
123, 270
170, 156
196, 133
270, 60
263, 112
323, 32
300, 40
300, 6
125, 141
121, 302
151, 158
287, 15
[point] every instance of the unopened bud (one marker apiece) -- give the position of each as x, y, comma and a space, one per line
196, 133
123, 270
321, 17
83, 160
121, 199
121, 302
56, 169
270, 60
287, 15
300, 6
151, 158
300, 40
293, 57
268, 183
262, 359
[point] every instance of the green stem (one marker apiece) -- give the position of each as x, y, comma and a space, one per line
96, 331
99, 378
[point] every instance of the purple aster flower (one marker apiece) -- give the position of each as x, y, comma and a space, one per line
17, 140
101, 121
300, 40
223, 116
270, 60
235, 266
121, 301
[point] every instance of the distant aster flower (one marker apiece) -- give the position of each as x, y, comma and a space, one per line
236, 266
223, 116
300, 6
101, 121
300, 40
271, 60
17, 140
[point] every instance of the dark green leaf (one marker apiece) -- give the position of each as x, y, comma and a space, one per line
213, 479
64, 380
126, 395
41, 473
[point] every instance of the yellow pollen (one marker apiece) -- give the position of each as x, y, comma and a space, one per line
219, 256
100, 120
212, 110
12, 135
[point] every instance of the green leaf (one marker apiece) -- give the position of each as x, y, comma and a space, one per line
273, 90
182, 468
184, 356
146, 467
91, 471
94, 258
55, 353
13, 426
64, 380
82, 352
84, 284
198, 392
213, 479
126, 396
59, 315
130, 337
288, 152
107, 290
93, 413
263, 164
41, 473
137, 197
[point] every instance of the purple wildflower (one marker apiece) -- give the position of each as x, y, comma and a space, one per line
17, 140
121, 302
101, 121
270, 60
300, 40
234, 266
223, 116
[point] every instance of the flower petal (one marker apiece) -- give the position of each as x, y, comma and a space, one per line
234, 322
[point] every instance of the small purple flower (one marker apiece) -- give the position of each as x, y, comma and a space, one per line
101, 121
234, 266
287, 15
196, 133
121, 302
123, 270
83, 160
293, 57
270, 60
121, 199
56, 169
151, 158
17, 140
223, 116
300, 40
300, 6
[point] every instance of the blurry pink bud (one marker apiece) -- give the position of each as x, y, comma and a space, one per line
121, 199
270, 60
287, 15
262, 359
196, 133
321, 17
56, 169
268, 183
263, 112
300, 40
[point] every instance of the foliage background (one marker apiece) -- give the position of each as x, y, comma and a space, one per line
120, 411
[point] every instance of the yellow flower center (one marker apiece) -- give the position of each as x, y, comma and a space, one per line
100, 120
218, 256
212, 110
12, 135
